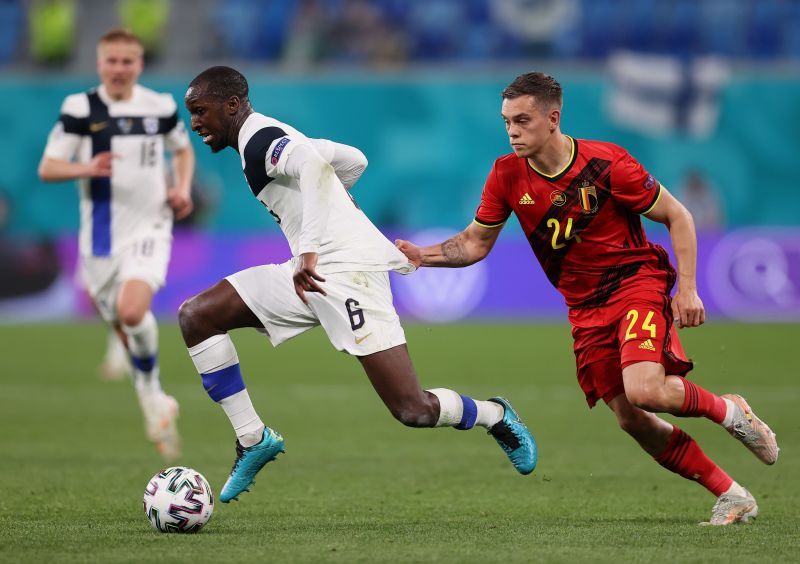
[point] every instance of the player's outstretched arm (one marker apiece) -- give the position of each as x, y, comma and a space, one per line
687, 307
348, 162
179, 196
463, 249
57, 170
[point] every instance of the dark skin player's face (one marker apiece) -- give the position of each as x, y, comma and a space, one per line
212, 118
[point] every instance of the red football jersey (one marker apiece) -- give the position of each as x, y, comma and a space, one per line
583, 223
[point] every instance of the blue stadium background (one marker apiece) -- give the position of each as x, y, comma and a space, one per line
415, 84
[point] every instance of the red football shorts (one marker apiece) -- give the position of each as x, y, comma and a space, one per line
637, 328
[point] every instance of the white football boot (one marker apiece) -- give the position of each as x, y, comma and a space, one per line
116, 363
732, 508
752, 431
160, 416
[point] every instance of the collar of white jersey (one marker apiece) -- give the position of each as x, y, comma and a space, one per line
247, 129
102, 91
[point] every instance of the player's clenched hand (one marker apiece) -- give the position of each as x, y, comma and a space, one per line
180, 202
412, 252
305, 276
687, 309
100, 165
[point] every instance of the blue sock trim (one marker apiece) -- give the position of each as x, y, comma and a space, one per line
223, 383
144, 364
469, 415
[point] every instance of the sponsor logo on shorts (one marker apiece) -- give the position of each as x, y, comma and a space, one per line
276, 152
647, 345
360, 340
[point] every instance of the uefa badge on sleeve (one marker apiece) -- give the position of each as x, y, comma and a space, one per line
276, 152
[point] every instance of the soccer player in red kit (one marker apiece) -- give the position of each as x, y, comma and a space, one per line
579, 203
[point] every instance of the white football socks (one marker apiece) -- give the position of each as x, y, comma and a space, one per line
246, 422
736, 490
218, 353
731, 409
451, 410
143, 346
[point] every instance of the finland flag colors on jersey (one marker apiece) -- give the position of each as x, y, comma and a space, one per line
350, 242
133, 201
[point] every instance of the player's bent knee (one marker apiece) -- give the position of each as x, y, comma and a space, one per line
644, 386
130, 316
190, 314
646, 397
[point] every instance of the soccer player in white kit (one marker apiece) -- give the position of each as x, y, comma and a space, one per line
338, 277
112, 140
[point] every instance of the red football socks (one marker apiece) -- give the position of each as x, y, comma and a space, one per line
685, 457
698, 402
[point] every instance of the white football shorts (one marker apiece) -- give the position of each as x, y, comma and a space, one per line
145, 258
357, 313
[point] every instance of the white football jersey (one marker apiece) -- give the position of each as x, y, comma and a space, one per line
133, 201
350, 241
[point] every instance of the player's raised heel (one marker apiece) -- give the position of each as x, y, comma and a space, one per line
514, 438
730, 509
249, 461
752, 431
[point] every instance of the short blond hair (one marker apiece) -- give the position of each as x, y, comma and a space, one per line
120, 35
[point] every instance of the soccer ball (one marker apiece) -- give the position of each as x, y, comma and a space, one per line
178, 500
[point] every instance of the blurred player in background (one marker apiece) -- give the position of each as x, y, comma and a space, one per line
338, 278
112, 139
579, 203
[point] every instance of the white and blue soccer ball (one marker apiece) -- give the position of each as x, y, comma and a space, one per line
178, 500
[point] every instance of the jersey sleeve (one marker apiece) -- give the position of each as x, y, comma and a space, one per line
493, 210
348, 162
73, 124
264, 156
279, 147
177, 138
315, 179
632, 186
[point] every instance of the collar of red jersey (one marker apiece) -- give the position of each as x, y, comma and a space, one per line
553, 177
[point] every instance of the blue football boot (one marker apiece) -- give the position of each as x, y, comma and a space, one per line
249, 461
514, 438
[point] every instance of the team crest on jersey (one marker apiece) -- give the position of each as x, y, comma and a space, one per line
125, 125
150, 125
558, 198
276, 152
588, 198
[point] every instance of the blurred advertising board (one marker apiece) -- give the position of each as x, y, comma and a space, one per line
743, 275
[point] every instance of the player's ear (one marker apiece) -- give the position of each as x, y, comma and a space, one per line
233, 104
554, 118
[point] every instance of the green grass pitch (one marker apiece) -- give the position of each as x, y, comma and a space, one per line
356, 486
